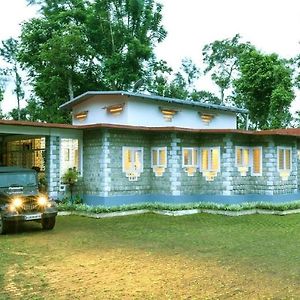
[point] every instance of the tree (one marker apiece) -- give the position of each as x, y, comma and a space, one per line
205, 97
265, 88
222, 60
9, 52
80, 45
2, 89
31, 112
162, 81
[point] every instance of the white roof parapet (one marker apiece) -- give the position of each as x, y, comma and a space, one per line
86, 95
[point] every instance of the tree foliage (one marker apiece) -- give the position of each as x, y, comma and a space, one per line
182, 84
265, 88
9, 53
222, 61
80, 45
259, 82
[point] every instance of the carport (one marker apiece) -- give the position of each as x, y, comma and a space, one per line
51, 149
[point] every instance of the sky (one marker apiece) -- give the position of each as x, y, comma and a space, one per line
270, 25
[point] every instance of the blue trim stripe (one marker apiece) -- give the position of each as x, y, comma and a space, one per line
219, 199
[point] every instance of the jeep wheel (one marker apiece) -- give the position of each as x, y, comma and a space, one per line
3, 226
48, 223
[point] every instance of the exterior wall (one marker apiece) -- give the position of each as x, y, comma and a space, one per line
197, 184
147, 113
298, 164
106, 183
52, 165
270, 182
92, 167
162, 184
97, 112
250, 184
120, 185
291, 184
143, 113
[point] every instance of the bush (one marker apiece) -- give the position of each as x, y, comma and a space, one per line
71, 178
70, 206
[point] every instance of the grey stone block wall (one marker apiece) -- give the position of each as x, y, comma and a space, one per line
162, 184
298, 164
92, 168
251, 184
53, 165
291, 185
197, 184
120, 184
103, 174
270, 182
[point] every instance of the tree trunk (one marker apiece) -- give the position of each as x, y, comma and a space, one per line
19, 112
70, 88
222, 95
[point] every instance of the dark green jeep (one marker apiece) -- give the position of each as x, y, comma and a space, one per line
20, 200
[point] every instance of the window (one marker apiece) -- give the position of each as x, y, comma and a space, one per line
168, 113
69, 158
132, 162
210, 162
159, 160
242, 157
190, 160
210, 159
26, 153
284, 158
256, 161
159, 157
246, 157
81, 116
189, 157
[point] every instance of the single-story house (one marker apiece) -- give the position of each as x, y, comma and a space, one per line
131, 147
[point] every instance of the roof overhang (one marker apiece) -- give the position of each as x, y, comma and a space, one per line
12, 127
26, 126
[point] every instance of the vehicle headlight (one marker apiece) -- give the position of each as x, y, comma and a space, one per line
17, 203
42, 201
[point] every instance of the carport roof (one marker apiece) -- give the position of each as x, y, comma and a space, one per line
36, 124
278, 132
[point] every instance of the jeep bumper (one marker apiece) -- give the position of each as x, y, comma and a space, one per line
28, 216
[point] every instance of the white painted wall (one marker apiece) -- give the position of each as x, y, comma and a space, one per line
97, 112
143, 112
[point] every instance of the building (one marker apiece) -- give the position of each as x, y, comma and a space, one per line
132, 148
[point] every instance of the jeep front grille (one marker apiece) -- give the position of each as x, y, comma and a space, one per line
29, 206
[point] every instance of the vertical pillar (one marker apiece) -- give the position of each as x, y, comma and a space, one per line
270, 168
227, 166
105, 163
295, 166
175, 166
53, 165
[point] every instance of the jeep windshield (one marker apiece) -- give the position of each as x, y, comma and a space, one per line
17, 179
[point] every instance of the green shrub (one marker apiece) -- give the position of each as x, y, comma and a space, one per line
70, 206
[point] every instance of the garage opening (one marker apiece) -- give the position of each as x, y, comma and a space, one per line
27, 153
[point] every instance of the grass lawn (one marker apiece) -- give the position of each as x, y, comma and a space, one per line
154, 257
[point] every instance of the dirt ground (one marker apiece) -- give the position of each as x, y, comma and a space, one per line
119, 274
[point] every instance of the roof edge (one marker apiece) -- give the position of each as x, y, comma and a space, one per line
271, 132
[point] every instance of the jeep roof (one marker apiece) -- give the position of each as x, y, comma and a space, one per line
14, 169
